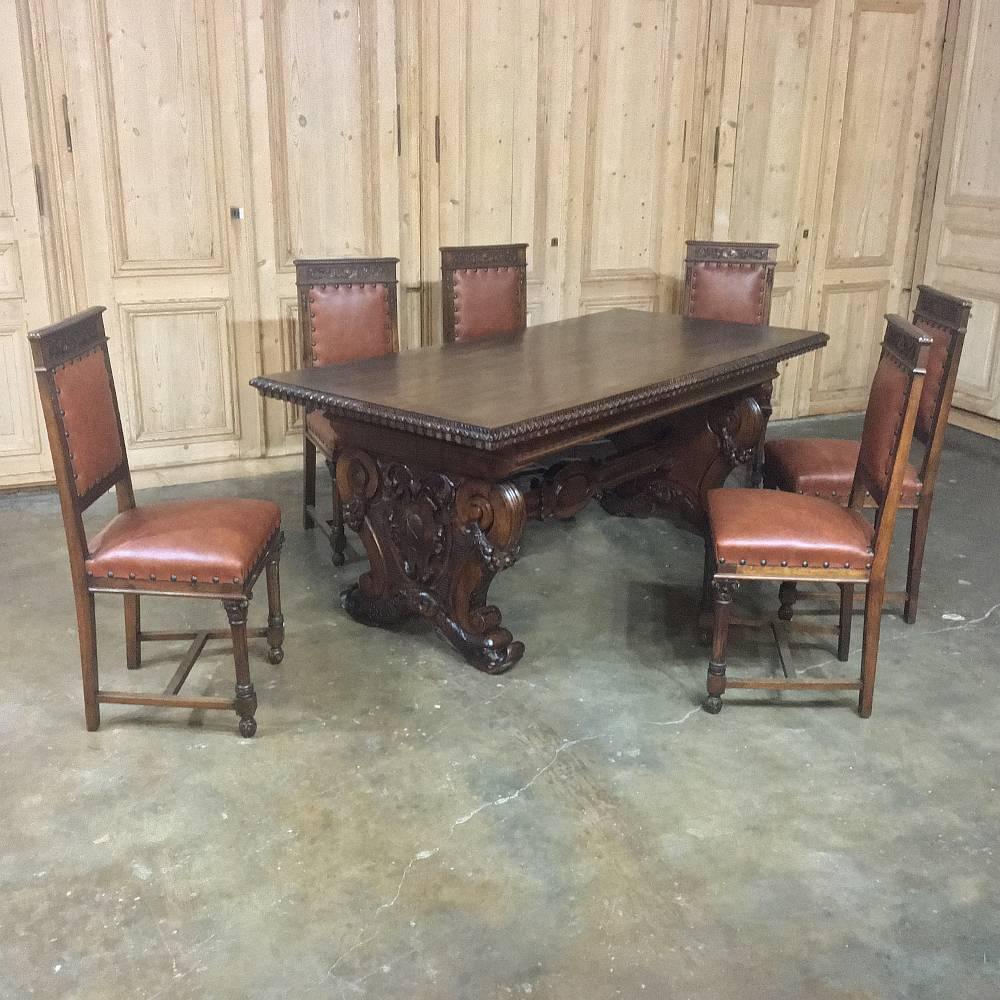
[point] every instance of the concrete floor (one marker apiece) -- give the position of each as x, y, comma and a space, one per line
403, 826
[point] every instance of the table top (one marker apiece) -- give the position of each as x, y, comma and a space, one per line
510, 388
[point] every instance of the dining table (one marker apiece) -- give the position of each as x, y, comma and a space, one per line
446, 452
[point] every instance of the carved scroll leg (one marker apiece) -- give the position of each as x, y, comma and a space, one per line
338, 540
487, 526
376, 599
722, 591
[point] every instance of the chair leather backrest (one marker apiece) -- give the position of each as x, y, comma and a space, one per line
891, 404
81, 408
483, 290
729, 281
347, 309
944, 318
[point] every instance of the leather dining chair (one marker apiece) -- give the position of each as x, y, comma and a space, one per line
483, 290
347, 312
824, 467
789, 537
213, 549
732, 282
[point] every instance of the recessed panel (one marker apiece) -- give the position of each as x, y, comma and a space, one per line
159, 127
882, 75
853, 317
975, 175
321, 85
291, 355
6, 194
975, 249
628, 113
180, 370
17, 430
977, 369
10, 272
772, 120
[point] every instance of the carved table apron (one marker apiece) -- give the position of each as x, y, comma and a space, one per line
445, 453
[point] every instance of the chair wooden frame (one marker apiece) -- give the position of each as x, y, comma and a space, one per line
737, 255
53, 347
310, 274
502, 255
947, 316
907, 347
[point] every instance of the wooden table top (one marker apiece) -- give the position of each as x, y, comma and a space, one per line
511, 388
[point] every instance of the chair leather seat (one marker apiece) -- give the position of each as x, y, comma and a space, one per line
211, 540
321, 431
765, 527
823, 467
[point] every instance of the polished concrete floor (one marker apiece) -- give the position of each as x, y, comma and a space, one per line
404, 827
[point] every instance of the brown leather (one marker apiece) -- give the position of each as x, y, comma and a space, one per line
349, 322
321, 431
767, 528
86, 400
823, 467
210, 540
937, 361
732, 292
883, 423
488, 300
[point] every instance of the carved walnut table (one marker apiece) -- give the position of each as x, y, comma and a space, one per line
446, 452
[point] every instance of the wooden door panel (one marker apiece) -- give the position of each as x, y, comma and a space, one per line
883, 63
23, 296
325, 167
158, 110
885, 59
634, 108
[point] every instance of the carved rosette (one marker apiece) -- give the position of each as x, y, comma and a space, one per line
434, 544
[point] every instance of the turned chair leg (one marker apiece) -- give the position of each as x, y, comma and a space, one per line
308, 482
846, 613
338, 540
275, 619
874, 597
918, 538
722, 591
788, 594
86, 622
246, 697
133, 647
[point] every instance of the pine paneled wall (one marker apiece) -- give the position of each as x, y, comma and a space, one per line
171, 159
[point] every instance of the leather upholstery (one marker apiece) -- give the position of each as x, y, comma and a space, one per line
211, 541
883, 423
937, 360
90, 423
488, 300
735, 293
321, 431
823, 467
766, 528
349, 322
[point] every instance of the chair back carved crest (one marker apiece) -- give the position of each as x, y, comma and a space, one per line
729, 281
483, 290
347, 309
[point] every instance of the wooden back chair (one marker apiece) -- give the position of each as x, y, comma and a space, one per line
202, 548
483, 290
733, 282
347, 312
767, 535
825, 466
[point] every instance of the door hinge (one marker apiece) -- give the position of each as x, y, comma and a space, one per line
715, 152
66, 125
399, 133
38, 189
437, 138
